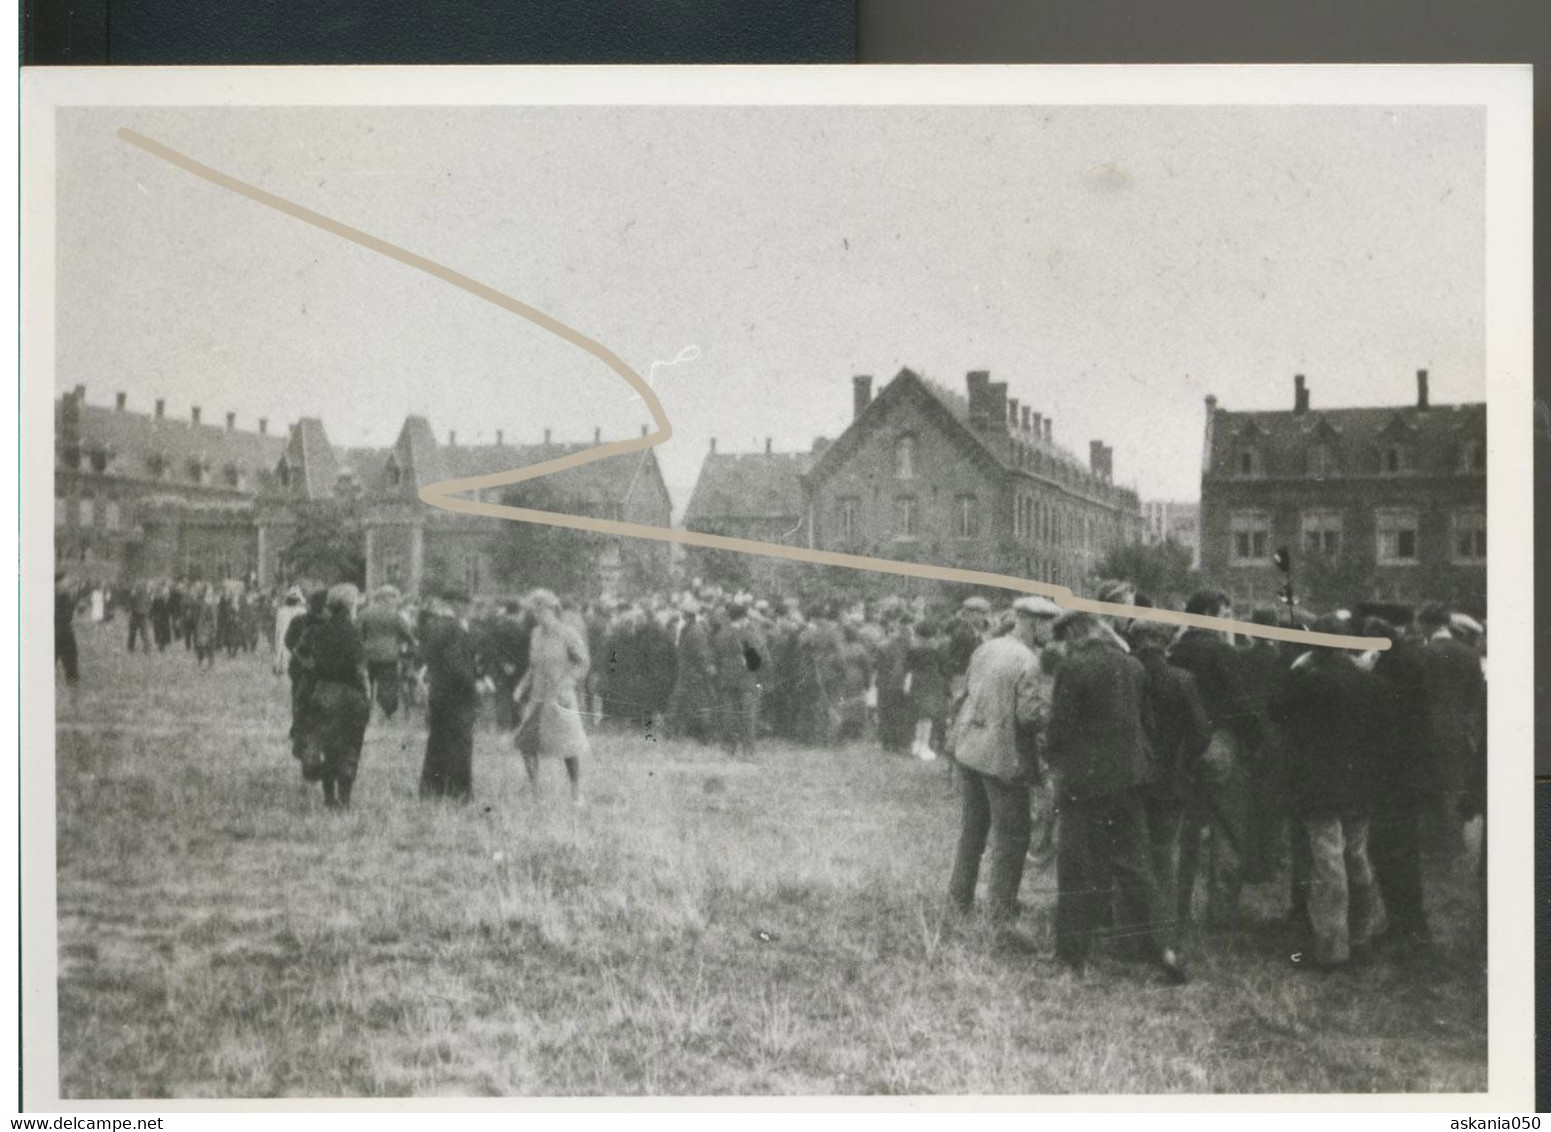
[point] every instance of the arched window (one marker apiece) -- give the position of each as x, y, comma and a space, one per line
905, 458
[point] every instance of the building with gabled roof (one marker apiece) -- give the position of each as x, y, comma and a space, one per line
924, 473
148, 496
1375, 504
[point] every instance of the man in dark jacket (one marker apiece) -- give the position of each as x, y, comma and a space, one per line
1098, 748
1178, 737
65, 651
1337, 721
1219, 797
452, 705
1394, 844
1454, 760
739, 652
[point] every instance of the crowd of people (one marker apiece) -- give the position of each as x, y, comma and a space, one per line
1145, 758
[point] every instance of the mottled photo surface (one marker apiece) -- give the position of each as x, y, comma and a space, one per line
356, 796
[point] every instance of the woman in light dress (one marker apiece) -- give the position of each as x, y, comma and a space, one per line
548, 700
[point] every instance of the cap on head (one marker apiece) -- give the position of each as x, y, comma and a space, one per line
1114, 591
1034, 605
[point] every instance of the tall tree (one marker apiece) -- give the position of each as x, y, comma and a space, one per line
328, 544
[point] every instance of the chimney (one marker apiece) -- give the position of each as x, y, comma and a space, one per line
1039, 425
500, 438
119, 401
767, 445
975, 383
1211, 402
861, 394
1421, 391
546, 438
161, 407
231, 422
1109, 464
80, 393
1049, 421
643, 430
452, 438
1096, 457
263, 426
1300, 395
996, 404
1012, 414
597, 434
713, 446
1027, 414
194, 415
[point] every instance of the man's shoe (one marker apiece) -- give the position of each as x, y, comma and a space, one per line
1010, 941
1174, 972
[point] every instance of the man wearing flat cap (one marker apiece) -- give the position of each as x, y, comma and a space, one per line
1098, 747
1006, 700
966, 635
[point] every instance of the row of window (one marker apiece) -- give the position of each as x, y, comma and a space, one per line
1323, 534
1321, 461
1033, 519
86, 513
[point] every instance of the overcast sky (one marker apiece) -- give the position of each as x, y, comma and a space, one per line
1113, 265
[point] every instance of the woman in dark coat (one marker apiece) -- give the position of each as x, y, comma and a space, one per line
340, 703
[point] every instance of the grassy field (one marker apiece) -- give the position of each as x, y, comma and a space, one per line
701, 927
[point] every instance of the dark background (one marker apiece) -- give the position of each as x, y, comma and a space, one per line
146, 32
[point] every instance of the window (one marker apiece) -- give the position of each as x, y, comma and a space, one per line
1470, 536
1321, 461
966, 516
393, 568
99, 460
156, 464
196, 471
1322, 533
1397, 537
283, 471
88, 513
848, 517
905, 458
1247, 463
1251, 531
395, 473
233, 475
907, 516
1395, 460
110, 514
1471, 458
1022, 506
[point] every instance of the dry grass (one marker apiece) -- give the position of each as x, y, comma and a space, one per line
220, 934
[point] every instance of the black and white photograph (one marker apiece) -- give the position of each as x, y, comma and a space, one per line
726, 754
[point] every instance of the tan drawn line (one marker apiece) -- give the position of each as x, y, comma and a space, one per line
446, 494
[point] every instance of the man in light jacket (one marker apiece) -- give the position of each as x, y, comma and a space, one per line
1006, 700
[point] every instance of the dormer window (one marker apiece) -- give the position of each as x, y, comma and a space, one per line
1321, 461
395, 473
1247, 462
905, 458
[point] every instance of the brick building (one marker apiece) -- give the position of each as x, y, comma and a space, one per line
926, 474
1165, 520
149, 496
752, 495
1381, 504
